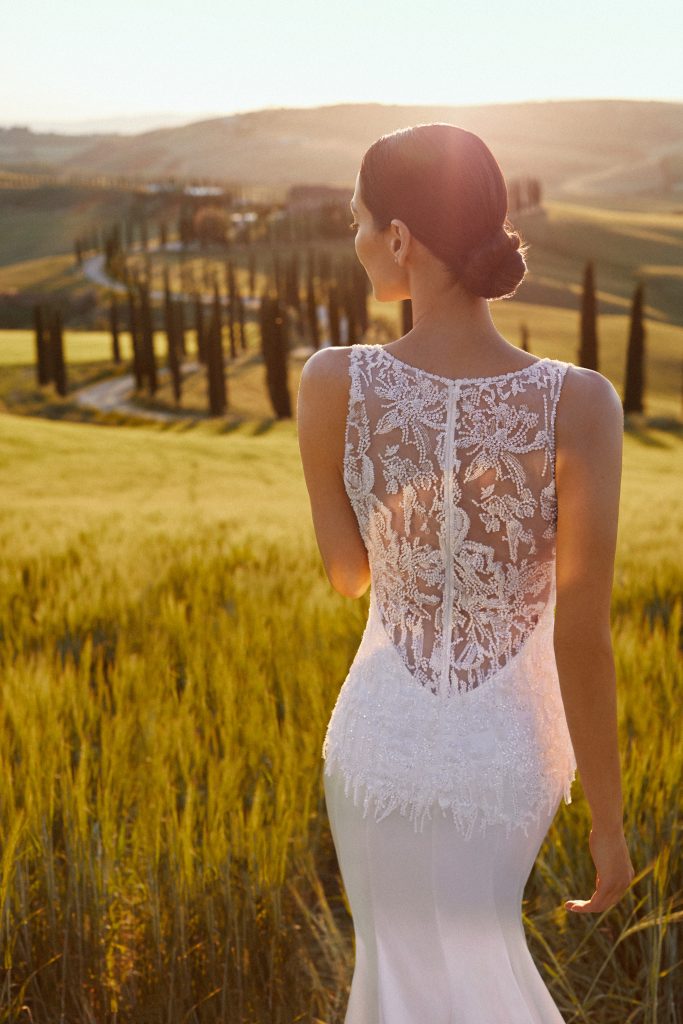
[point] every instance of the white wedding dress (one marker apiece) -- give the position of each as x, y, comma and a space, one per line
447, 753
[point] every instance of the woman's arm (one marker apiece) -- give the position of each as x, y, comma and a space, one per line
589, 447
322, 403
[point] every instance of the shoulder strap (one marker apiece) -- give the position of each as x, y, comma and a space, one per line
561, 372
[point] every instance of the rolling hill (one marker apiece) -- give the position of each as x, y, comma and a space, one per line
574, 146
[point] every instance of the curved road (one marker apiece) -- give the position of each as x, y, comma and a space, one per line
113, 396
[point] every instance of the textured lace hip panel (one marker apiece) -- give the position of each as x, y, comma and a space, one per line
497, 754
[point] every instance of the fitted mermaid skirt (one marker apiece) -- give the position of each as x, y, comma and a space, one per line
437, 918
438, 811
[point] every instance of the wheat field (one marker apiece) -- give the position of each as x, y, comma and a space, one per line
171, 651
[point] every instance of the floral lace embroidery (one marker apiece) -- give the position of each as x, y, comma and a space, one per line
452, 483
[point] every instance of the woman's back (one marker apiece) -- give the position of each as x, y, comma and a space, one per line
453, 485
453, 697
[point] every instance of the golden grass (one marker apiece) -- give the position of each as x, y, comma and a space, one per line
171, 654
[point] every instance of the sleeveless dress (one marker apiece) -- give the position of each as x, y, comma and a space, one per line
447, 753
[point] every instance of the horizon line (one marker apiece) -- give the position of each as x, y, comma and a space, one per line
36, 124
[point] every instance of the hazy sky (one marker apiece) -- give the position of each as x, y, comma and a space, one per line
85, 59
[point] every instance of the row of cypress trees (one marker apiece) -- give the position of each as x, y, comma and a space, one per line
210, 352
346, 292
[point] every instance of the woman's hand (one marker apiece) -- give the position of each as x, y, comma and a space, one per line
614, 872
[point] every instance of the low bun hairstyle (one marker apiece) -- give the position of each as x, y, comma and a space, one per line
444, 183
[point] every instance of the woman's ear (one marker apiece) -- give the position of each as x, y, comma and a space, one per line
399, 239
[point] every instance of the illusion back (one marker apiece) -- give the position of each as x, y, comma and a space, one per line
453, 486
453, 694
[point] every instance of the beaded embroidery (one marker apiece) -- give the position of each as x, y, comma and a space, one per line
453, 695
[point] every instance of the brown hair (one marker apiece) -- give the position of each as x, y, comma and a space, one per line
447, 187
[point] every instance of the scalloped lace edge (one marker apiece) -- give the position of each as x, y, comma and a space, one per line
386, 799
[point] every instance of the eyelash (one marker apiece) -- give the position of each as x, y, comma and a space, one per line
354, 225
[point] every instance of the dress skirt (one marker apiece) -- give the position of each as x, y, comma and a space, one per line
437, 918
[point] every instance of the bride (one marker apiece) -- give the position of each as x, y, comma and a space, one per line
475, 490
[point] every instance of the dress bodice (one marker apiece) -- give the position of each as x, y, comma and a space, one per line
453, 486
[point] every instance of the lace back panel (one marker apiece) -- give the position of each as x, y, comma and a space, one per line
453, 486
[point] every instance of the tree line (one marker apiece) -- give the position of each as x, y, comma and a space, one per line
289, 306
284, 308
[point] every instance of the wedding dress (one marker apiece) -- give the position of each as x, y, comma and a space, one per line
447, 753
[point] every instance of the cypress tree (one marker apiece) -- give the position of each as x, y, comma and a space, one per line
199, 327
173, 345
114, 325
147, 333
43, 368
180, 317
167, 293
361, 290
588, 349
135, 340
312, 310
265, 325
252, 275
333, 313
241, 316
275, 351
215, 365
230, 274
57, 349
351, 318
293, 297
635, 356
277, 274
524, 332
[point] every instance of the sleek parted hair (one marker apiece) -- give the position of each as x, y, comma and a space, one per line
447, 187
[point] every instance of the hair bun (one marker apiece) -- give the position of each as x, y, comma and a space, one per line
496, 267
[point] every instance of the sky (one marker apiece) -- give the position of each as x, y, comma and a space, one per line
94, 60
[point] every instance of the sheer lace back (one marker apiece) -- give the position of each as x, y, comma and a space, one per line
453, 486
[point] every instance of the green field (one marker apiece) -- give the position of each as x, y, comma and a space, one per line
171, 654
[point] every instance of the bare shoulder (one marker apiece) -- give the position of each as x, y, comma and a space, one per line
324, 383
327, 365
322, 401
589, 409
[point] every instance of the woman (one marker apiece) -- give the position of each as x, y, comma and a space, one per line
444, 471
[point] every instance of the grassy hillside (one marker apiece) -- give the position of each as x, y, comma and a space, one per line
45, 220
626, 246
171, 654
61, 479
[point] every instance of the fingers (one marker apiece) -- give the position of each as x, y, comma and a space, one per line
595, 905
